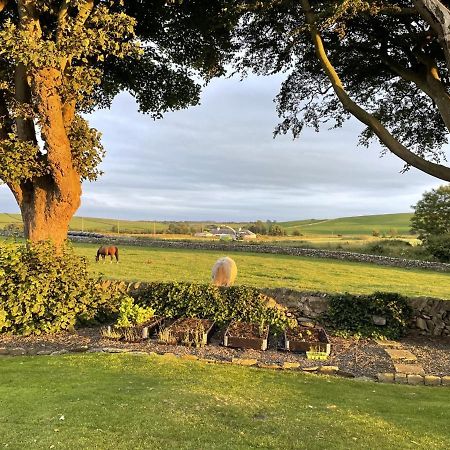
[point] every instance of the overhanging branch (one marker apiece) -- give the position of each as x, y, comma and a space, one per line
398, 149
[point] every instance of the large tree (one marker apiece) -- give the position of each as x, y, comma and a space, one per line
62, 58
385, 63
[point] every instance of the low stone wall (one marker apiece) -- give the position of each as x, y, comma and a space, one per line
430, 315
271, 249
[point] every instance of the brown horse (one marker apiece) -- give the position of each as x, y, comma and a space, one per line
107, 251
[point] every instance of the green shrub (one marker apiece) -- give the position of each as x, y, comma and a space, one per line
439, 246
131, 314
352, 314
211, 302
41, 292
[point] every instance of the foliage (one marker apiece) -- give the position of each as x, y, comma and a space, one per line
439, 246
210, 302
353, 314
276, 230
44, 293
131, 314
385, 54
432, 213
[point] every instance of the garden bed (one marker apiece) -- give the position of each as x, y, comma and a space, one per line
307, 339
246, 335
191, 332
132, 334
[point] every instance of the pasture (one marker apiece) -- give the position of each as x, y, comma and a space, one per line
264, 270
358, 225
129, 401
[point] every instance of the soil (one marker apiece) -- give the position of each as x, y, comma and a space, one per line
353, 357
247, 330
188, 325
303, 334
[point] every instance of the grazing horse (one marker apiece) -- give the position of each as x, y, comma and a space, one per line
105, 251
224, 272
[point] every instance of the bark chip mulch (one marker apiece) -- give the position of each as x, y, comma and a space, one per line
358, 358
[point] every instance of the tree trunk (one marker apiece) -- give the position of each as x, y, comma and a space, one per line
48, 202
46, 212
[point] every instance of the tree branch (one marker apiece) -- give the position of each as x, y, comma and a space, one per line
3, 4
437, 15
436, 170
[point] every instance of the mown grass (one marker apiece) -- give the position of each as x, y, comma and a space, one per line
264, 270
136, 402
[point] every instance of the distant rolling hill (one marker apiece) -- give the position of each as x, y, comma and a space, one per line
384, 224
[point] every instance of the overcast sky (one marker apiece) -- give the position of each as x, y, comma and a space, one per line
219, 161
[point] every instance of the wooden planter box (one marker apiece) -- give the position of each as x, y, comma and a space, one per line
190, 331
306, 339
136, 333
246, 335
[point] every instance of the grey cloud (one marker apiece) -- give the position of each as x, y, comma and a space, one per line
219, 161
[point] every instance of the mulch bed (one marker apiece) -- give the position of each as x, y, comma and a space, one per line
360, 358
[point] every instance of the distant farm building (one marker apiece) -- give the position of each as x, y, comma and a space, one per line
226, 232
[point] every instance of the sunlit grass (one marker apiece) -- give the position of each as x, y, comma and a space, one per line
264, 270
137, 402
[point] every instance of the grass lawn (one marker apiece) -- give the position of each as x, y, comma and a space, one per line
263, 270
135, 402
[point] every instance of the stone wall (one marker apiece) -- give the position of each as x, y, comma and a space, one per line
431, 316
271, 249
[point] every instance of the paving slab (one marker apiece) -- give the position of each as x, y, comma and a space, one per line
385, 343
409, 369
404, 355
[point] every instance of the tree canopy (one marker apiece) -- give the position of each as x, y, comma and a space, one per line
432, 213
62, 58
385, 63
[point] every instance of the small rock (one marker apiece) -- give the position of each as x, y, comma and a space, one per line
378, 320
386, 377
328, 369
401, 378
431, 380
445, 380
421, 324
244, 361
291, 365
114, 350
310, 369
268, 366
414, 379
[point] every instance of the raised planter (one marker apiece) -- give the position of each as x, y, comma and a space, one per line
192, 332
246, 335
132, 334
307, 339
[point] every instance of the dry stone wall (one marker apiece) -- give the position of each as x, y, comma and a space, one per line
271, 249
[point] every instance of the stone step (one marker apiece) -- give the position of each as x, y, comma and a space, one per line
385, 343
399, 354
409, 369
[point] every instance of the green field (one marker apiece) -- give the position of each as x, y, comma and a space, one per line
96, 401
363, 225
360, 225
265, 270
